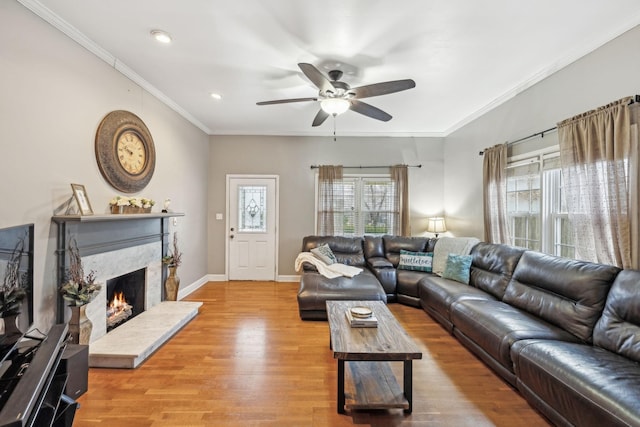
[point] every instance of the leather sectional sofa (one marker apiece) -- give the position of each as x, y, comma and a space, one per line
565, 333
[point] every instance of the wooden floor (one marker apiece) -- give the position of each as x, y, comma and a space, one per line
248, 360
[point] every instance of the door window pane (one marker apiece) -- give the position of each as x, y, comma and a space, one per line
252, 208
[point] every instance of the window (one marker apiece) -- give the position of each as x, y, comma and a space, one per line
364, 204
537, 212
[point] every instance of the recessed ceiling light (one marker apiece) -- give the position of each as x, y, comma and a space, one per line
161, 36
216, 95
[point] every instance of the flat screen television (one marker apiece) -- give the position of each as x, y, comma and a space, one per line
16, 268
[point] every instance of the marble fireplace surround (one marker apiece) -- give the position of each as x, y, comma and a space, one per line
113, 245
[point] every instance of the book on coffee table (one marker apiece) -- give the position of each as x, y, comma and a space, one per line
360, 322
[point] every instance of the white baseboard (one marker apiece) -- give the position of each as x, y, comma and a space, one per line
183, 292
217, 277
288, 278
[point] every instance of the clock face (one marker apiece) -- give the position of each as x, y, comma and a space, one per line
125, 151
131, 152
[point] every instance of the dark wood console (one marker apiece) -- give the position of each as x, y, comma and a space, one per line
33, 388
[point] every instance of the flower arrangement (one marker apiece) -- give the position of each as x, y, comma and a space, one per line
138, 202
14, 286
174, 259
78, 289
123, 204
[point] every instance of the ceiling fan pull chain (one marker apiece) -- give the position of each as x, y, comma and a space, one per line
334, 128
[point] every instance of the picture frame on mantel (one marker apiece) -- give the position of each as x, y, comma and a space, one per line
82, 199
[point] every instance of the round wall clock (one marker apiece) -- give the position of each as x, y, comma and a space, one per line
125, 152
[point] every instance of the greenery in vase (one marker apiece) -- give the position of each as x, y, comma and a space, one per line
174, 259
78, 288
14, 285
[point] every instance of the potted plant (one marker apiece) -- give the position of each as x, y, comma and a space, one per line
13, 290
79, 290
172, 261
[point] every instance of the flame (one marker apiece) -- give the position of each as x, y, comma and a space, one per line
118, 300
118, 310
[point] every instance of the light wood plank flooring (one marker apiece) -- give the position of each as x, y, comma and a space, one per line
248, 360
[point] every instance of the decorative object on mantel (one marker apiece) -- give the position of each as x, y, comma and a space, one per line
79, 290
12, 291
80, 194
172, 261
165, 206
125, 151
130, 205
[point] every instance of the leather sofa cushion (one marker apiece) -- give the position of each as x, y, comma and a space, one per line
348, 250
587, 385
373, 247
495, 326
407, 282
618, 329
437, 294
492, 267
393, 245
315, 290
565, 292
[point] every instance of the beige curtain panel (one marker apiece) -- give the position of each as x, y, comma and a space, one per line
595, 155
328, 190
496, 227
399, 175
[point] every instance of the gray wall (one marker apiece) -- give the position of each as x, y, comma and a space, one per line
291, 159
609, 73
53, 95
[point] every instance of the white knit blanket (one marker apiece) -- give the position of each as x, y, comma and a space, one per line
329, 271
450, 245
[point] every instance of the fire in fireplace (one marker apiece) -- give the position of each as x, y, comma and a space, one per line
125, 297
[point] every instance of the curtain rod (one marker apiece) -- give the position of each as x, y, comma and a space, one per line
368, 167
541, 133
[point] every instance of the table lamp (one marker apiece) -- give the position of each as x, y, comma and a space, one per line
436, 225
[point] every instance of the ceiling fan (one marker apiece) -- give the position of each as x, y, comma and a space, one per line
336, 96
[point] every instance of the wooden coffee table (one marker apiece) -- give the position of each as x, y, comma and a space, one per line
366, 353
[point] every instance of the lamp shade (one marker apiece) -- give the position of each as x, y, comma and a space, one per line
436, 225
334, 106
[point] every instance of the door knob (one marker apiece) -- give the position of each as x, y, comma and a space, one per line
231, 236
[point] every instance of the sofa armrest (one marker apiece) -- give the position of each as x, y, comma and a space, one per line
379, 262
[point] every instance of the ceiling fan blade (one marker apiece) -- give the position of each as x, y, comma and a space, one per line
317, 77
369, 110
284, 101
384, 88
320, 118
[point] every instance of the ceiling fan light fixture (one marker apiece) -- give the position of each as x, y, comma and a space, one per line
334, 106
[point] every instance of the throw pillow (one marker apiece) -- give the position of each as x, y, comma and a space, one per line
325, 254
417, 261
458, 268
450, 245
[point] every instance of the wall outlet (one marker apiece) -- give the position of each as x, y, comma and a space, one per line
219, 216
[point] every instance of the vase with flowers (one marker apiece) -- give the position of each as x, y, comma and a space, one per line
172, 261
12, 291
79, 290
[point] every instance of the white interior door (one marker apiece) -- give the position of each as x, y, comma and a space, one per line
252, 234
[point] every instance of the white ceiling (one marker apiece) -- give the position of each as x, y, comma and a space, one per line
466, 56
